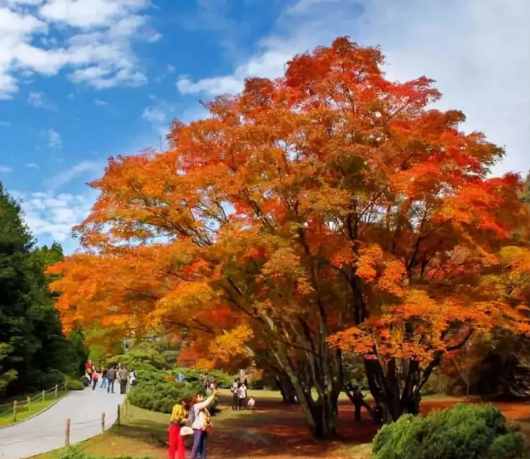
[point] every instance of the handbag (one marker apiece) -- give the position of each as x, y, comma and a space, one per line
186, 431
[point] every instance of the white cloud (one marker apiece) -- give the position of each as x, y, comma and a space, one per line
100, 103
90, 13
477, 50
154, 114
54, 215
94, 42
38, 99
32, 166
68, 175
5, 123
215, 86
55, 141
170, 68
6, 169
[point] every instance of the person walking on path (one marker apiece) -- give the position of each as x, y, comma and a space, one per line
123, 374
111, 377
199, 418
242, 396
94, 380
179, 419
103, 379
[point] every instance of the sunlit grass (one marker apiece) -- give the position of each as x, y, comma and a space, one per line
25, 411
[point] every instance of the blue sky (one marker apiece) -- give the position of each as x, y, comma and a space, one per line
81, 80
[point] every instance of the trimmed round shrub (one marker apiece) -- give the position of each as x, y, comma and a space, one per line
153, 392
463, 432
75, 385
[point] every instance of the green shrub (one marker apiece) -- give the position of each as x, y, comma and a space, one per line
463, 432
153, 392
75, 385
224, 380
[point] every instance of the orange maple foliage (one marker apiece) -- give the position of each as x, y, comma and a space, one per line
327, 209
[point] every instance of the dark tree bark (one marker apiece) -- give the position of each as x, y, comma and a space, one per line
397, 391
357, 398
286, 388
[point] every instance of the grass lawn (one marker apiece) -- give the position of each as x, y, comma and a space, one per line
274, 431
26, 411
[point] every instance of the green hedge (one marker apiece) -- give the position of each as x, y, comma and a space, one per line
75, 385
223, 378
155, 394
463, 432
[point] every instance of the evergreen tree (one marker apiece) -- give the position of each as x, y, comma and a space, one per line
17, 289
34, 353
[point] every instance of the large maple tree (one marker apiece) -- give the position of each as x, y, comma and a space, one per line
327, 210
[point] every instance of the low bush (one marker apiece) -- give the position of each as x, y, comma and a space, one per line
224, 380
156, 394
463, 432
75, 385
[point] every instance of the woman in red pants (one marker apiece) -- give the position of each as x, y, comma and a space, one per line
179, 419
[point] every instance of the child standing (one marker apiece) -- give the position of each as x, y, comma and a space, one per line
251, 404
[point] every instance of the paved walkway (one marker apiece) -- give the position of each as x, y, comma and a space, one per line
46, 431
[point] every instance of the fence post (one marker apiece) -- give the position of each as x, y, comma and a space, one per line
67, 434
28, 400
43, 394
56, 390
15, 411
118, 416
102, 423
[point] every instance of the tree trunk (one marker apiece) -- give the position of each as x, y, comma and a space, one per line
287, 390
357, 398
391, 401
320, 414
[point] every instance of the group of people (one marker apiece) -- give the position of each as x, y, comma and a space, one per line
239, 396
109, 376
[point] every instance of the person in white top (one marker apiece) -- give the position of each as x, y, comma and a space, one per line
242, 394
200, 423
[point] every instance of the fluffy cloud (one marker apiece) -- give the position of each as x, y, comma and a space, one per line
475, 49
32, 166
94, 41
5, 169
154, 114
52, 216
39, 100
